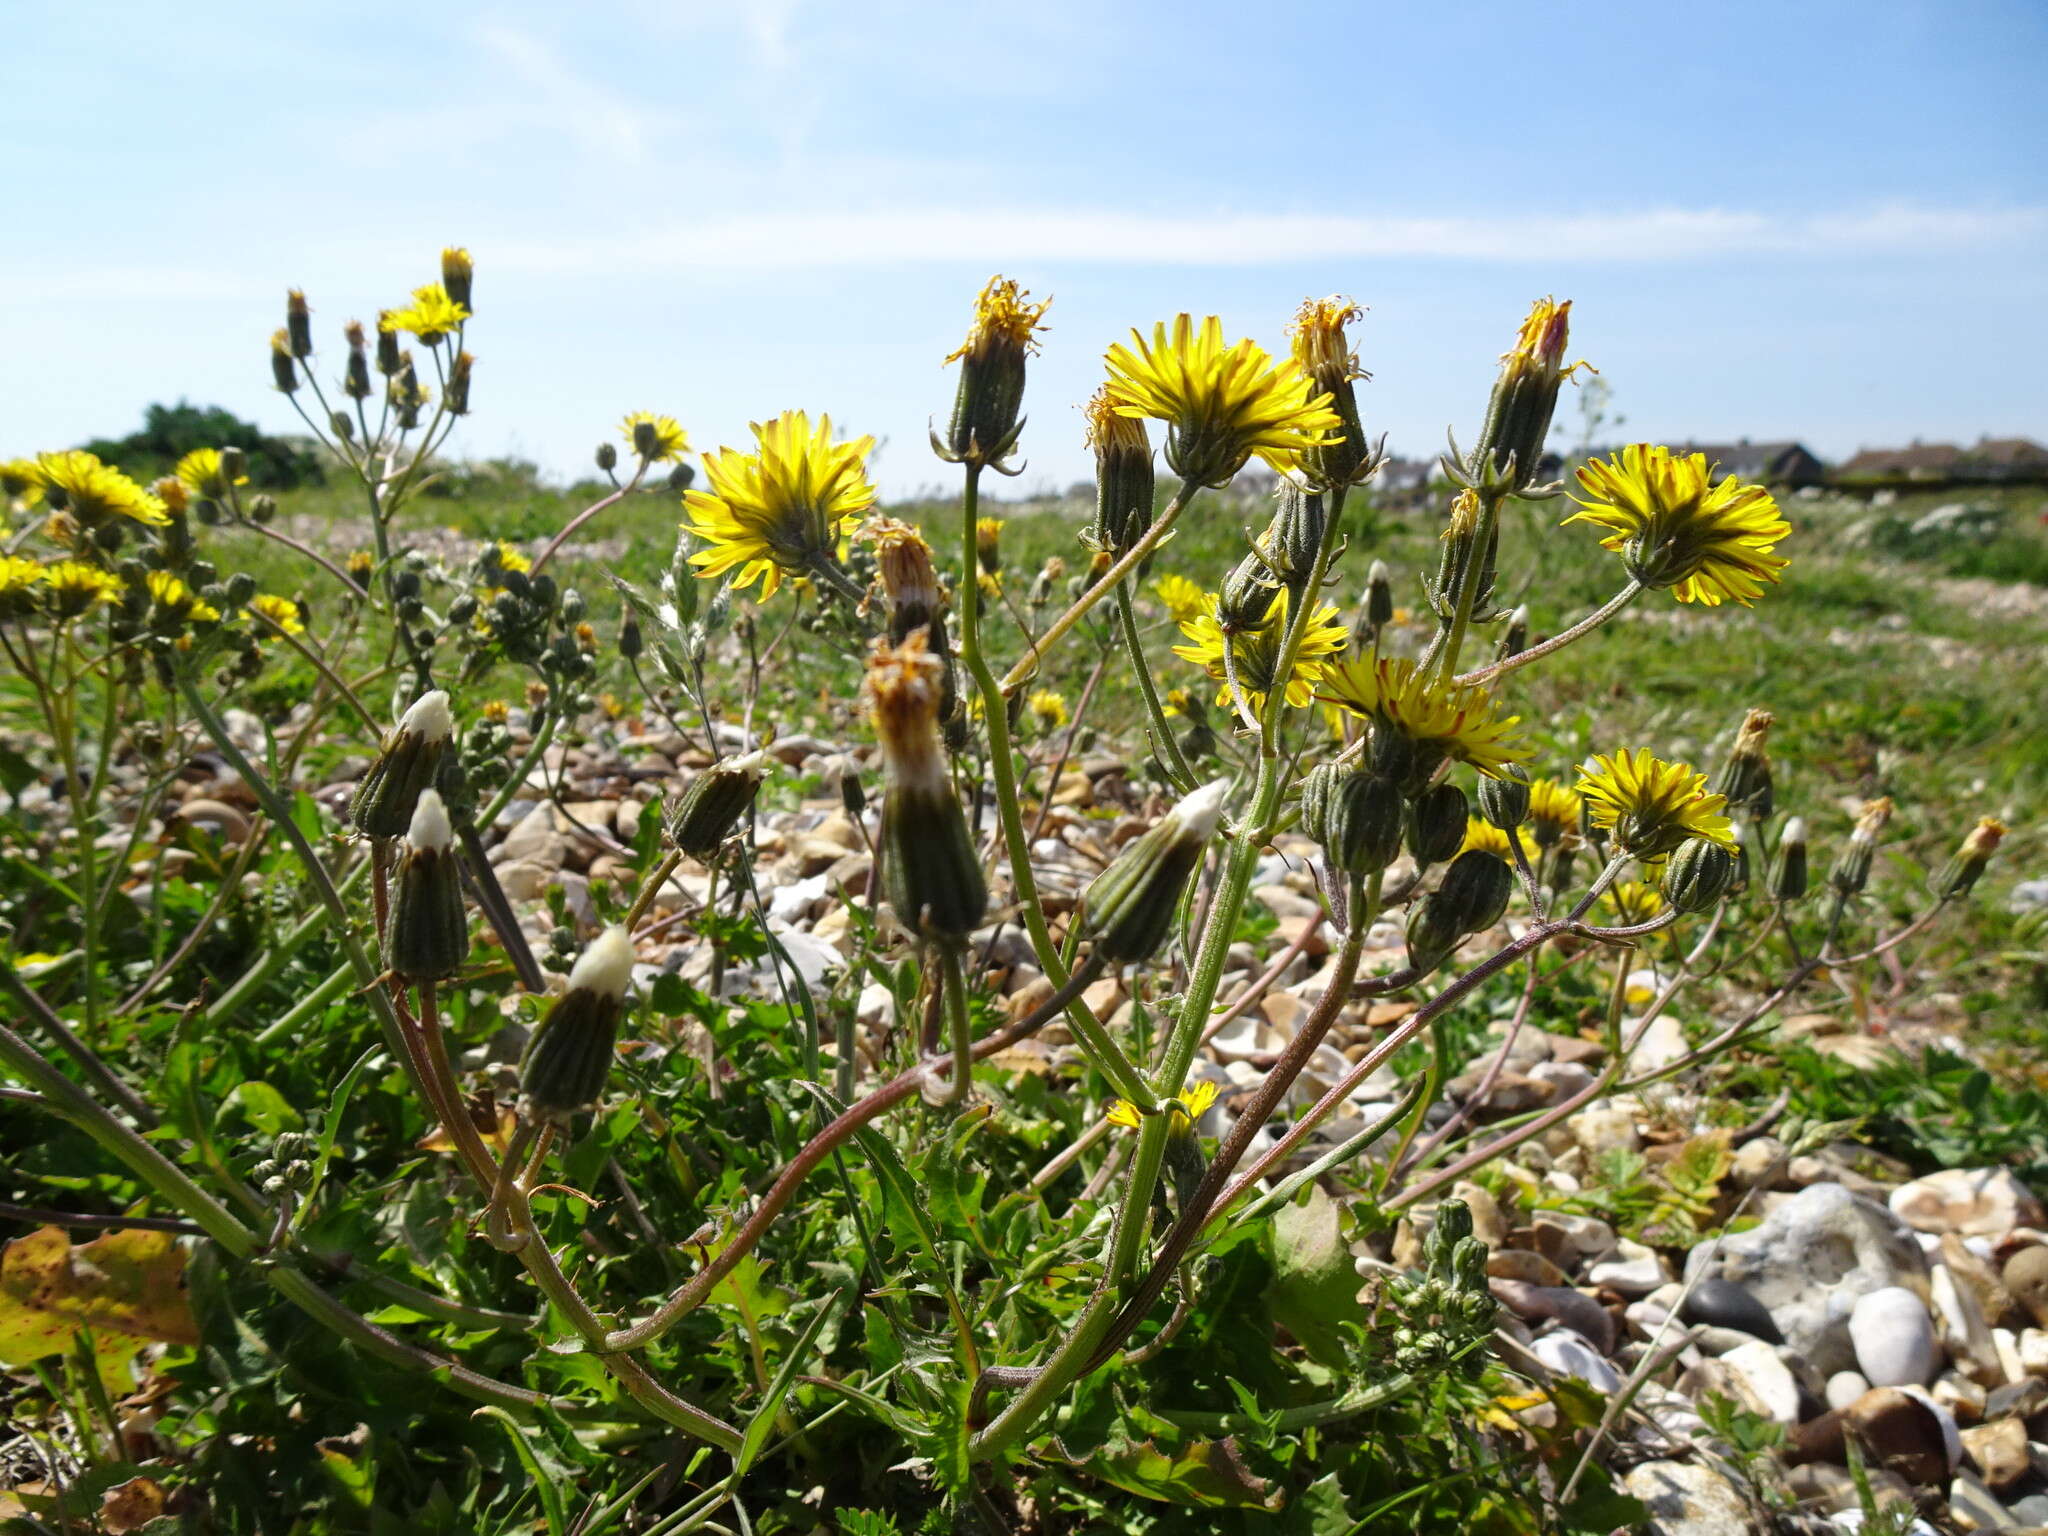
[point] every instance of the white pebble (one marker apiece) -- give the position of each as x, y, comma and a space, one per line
1894, 1338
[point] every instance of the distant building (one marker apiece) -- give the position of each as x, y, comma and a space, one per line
1782, 463
1993, 461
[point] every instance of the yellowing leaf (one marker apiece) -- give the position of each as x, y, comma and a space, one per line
127, 1287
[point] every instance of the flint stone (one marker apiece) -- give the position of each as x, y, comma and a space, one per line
1810, 1261
1769, 1382
1974, 1202
1844, 1387
1637, 1272
1536, 1303
1721, 1303
1894, 1338
1569, 1355
1687, 1498
2000, 1452
2026, 1278
1974, 1507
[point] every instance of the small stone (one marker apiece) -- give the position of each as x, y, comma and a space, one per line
1605, 1126
533, 840
1488, 1225
1520, 1264
1758, 1163
1588, 1237
1902, 1432
1980, 1276
1962, 1397
1962, 1330
1724, 1304
1291, 930
1893, 1338
217, 817
526, 880
1844, 1387
1769, 1382
1951, 1432
1637, 1272
2031, 1348
1974, 1507
1541, 1303
1567, 1078
2000, 1452
1687, 1498
1975, 1202
1663, 1044
2026, 1278
2017, 1400
1569, 1355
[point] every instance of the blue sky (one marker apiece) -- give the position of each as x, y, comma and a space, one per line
1820, 220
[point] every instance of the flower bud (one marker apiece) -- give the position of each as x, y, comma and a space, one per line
1245, 597
1379, 597
930, 870
458, 275
1364, 825
700, 819
570, 1056
1956, 877
1130, 905
458, 384
390, 790
1745, 778
1436, 824
389, 358
986, 409
1124, 480
1504, 801
988, 543
428, 934
355, 381
1319, 788
262, 508
241, 587
1698, 874
1518, 416
630, 641
1476, 888
1851, 870
607, 457
1325, 355
298, 324
1292, 539
284, 373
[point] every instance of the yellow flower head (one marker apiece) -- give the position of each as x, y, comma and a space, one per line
430, 316
1459, 721
1004, 321
988, 543
1488, 838
909, 577
1220, 404
1553, 809
200, 473
281, 611
1255, 652
1190, 1105
1541, 341
458, 273
657, 439
75, 587
1185, 602
93, 492
1048, 709
19, 579
497, 711
512, 558
21, 481
779, 511
1321, 349
1675, 527
903, 690
1631, 902
174, 598
1649, 806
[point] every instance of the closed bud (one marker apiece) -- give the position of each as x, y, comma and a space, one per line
298, 324
987, 406
458, 276
355, 379
241, 587
570, 1056
1245, 597
572, 607
339, 424
262, 508
1851, 869
1292, 539
1956, 877
1130, 905
389, 358
1745, 778
1379, 596
463, 609
1318, 793
1436, 824
458, 384
1123, 478
284, 373
607, 457
1365, 820
930, 871
1476, 888
1698, 875
1504, 801
700, 819
428, 935
390, 790
630, 642
853, 797
1518, 416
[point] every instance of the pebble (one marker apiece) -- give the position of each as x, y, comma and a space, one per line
2000, 1453
1974, 1507
1770, 1383
1961, 1328
1902, 1432
1570, 1355
1844, 1387
2026, 1279
1893, 1338
1724, 1304
1541, 1303
1637, 1272
1973, 1202
1687, 1498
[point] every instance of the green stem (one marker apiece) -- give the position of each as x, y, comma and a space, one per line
1178, 771
953, 983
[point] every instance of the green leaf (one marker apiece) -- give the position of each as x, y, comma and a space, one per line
762, 1424
126, 1288
265, 1109
1208, 1474
1315, 1283
548, 1473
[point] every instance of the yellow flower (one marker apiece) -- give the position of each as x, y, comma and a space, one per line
496, 711
1632, 902
780, 511
430, 316
1461, 722
75, 587
1180, 702
175, 598
1649, 806
1194, 1103
1004, 320
1488, 838
1048, 709
1220, 404
1185, 601
1553, 802
19, 579
361, 565
92, 492
281, 611
988, 543
657, 439
21, 481
1255, 652
511, 558
1673, 526
200, 473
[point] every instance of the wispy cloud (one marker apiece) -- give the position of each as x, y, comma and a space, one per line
591, 113
837, 239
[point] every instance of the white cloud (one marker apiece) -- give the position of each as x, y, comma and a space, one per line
837, 239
